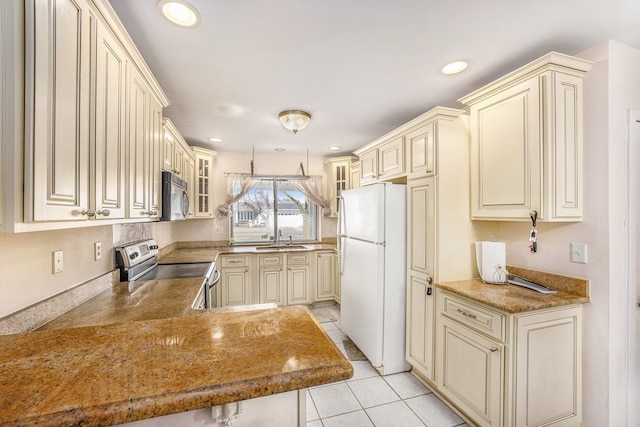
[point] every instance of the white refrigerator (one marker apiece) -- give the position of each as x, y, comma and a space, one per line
372, 232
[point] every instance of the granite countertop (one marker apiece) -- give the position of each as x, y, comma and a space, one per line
134, 301
516, 299
187, 254
115, 373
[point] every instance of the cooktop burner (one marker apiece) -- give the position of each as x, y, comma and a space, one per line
176, 271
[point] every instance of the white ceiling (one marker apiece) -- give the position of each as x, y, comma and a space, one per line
360, 67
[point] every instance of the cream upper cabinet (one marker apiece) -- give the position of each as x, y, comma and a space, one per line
92, 112
145, 150
510, 370
368, 167
203, 185
421, 151
440, 233
58, 100
110, 126
382, 160
526, 138
391, 159
355, 174
338, 172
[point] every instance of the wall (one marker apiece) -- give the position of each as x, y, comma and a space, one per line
26, 263
611, 87
264, 163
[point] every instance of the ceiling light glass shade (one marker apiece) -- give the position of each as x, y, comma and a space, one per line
454, 67
180, 13
215, 139
295, 120
335, 148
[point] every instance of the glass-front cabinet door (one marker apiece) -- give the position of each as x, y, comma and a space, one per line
203, 199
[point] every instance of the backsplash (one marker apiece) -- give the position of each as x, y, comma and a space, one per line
128, 233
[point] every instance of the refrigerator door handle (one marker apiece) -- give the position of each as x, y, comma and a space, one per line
341, 254
340, 215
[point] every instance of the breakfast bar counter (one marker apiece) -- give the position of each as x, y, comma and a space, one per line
110, 374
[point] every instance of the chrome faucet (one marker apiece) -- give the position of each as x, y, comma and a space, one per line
279, 239
290, 240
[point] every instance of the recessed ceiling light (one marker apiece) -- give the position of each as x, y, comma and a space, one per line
180, 13
454, 67
279, 149
214, 139
335, 148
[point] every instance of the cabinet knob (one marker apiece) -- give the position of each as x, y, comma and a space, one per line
430, 280
88, 212
105, 212
493, 348
149, 213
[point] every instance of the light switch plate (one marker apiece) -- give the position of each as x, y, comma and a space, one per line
579, 253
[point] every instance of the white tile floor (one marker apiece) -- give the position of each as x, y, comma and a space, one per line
369, 399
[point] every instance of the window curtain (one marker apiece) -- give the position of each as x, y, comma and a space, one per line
238, 184
312, 188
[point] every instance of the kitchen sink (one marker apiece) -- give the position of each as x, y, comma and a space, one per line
280, 248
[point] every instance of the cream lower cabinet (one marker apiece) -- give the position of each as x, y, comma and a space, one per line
235, 280
326, 275
526, 139
503, 369
272, 278
298, 279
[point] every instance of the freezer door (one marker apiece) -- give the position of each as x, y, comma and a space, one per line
362, 297
363, 213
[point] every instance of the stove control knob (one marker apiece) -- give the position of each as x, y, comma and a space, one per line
133, 255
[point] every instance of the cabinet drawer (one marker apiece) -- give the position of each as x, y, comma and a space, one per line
269, 260
298, 258
476, 317
235, 261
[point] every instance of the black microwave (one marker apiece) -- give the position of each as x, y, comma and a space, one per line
175, 198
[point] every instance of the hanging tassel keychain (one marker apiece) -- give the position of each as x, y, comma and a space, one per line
533, 234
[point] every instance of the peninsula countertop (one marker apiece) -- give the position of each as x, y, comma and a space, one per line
115, 373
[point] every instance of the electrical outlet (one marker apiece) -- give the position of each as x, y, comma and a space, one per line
97, 251
218, 229
579, 253
57, 262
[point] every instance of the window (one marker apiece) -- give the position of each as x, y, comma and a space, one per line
274, 209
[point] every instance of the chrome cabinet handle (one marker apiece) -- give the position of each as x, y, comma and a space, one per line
149, 213
493, 349
105, 212
464, 313
88, 212
430, 280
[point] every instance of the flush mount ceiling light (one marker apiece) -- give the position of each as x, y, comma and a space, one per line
180, 13
294, 120
454, 67
215, 139
335, 148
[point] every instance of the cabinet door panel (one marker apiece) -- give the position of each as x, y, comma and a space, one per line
566, 148
59, 153
471, 372
298, 285
391, 159
420, 326
547, 359
506, 153
421, 151
110, 125
138, 144
421, 222
155, 158
325, 276
235, 287
272, 285
368, 167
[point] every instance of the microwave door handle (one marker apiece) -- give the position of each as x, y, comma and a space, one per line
185, 203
